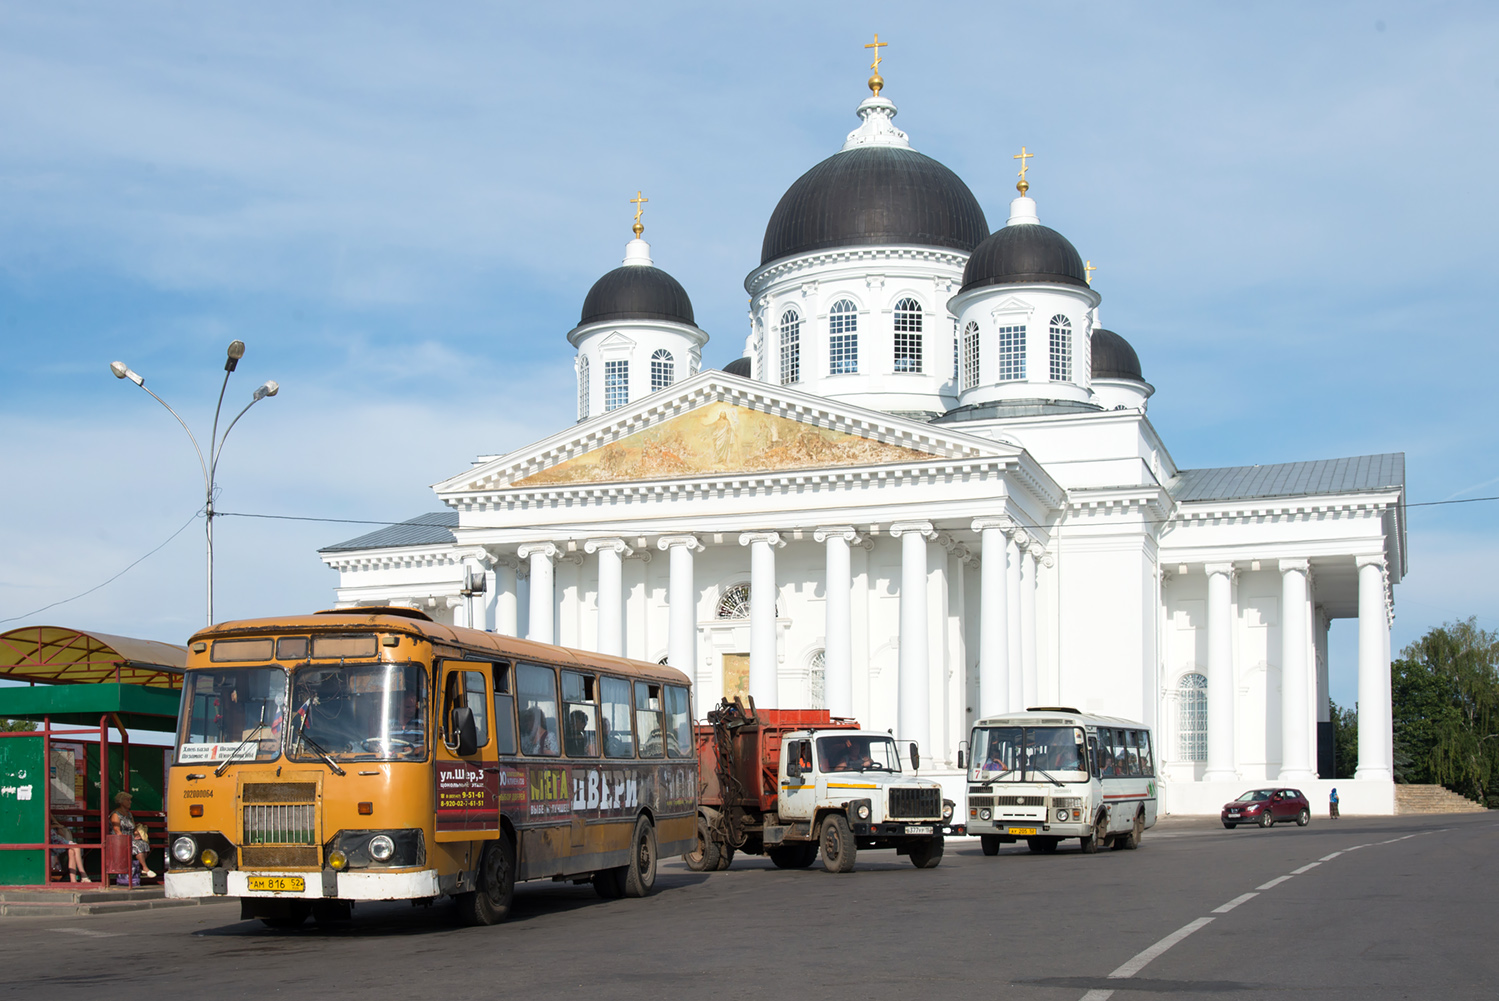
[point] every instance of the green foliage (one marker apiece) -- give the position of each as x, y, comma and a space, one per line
1445, 691
1344, 741
16, 726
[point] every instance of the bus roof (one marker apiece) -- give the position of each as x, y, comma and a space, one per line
1059, 715
419, 625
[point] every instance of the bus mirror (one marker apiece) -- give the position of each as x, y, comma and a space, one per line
915, 756
960, 760
466, 732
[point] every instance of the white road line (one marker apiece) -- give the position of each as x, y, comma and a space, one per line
1241, 898
1138, 963
1306, 868
89, 932
1273, 883
1329, 858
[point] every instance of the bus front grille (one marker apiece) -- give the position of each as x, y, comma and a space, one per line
919, 804
279, 857
280, 824
1019, 800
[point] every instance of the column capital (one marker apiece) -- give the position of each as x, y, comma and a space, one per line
1227, 569
508, 561
454, 601
613, 545
478, 554
528, 549
771, 538
690, 542
923, 528
1370, 560
1004, 524
1302, 565
844, 532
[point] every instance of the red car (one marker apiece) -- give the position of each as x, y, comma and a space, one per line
1267, 807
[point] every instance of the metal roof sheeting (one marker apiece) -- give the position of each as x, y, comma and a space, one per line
423, 530
55, 655
1357, 474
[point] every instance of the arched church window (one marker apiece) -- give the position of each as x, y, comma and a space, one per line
908, 336
843, 338
1192, 728
817, 680
791, 347
616, 384
662, 367
970, 355
1061, 349
955, 348
1011, 346
735, 602
583, 388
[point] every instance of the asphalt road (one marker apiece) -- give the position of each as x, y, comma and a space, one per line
1401, 907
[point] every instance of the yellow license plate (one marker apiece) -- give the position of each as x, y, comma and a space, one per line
278, 884
1025, 832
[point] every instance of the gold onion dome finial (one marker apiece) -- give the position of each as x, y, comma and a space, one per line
1023, 185
638, 201
876, 82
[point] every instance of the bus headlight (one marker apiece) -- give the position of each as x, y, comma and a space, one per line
210, 857
382, 848
1061, 815
184, 849
985, 814
337, 860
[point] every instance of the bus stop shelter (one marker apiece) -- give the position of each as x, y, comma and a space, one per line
79, 687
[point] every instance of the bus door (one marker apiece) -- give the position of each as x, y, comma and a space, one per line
467, 786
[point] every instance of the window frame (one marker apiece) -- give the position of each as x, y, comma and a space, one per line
616, 383
843, 338
909, 347
663, 370
790, 331
1059, 347
972, 348
1010, 347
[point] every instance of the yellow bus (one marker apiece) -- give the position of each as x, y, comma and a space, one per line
373, 754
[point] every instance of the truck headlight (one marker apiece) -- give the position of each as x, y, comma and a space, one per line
862, 812
184, 849
947, 809
382, 848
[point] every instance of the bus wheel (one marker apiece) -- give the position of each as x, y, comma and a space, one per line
490, 902
838, 847
927, 853
1131, 841
704, 856
640, 874
989, 843
1093, 842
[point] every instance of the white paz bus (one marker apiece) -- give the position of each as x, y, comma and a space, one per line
1051, 773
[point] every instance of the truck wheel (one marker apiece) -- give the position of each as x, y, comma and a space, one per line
704, 856
927, 853
725, 857
793, 856
990, 843
490, 902
640, 874
838, 847
1093, 842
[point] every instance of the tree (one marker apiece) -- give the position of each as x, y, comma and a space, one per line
16, 725
1445, 693
1344, 741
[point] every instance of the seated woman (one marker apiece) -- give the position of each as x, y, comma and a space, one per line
60, 835
122, 821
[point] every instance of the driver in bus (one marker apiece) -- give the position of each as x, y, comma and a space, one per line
995, 761
409, 731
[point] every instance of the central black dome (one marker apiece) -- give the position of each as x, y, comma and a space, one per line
1023, 254
637, 292
873, 195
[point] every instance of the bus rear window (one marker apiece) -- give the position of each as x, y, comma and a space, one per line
362, 645
256, 649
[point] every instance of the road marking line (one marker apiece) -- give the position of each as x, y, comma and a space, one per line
1137, 964
1241, 898
1273, 883
1306, 868
89, 932
1329, 858
1096, 995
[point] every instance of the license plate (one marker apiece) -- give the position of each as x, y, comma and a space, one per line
1233, 813
1028, 832
918, 830
278, 884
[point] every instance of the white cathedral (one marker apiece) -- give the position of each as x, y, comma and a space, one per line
929, 492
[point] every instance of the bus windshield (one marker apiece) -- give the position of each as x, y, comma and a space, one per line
1029, 754
358, 712
232, 713
857, 753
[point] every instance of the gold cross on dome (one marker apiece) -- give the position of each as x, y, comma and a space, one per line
1023, 156
1090, 269
876, 82
638, 201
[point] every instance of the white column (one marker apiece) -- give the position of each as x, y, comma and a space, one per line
913, 718
1221, 687
1030, 555
1295, 675
1374, 715
1012, 617
681, 600
994, 615
459, 606
763, 655
611, 599
838, 658
506, 596
542, 627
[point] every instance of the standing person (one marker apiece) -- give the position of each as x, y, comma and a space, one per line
122, 821
1332, 804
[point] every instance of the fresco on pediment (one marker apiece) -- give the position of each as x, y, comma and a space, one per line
721, 438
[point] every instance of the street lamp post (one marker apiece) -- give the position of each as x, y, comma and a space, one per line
215, 443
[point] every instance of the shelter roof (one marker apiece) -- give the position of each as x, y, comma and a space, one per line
137, 707
56, 655
1292, 479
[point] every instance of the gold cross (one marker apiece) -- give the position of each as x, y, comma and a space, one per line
638, 201
876, 82
1090, 269
1023, 156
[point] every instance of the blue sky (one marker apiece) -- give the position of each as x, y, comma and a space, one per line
399, 209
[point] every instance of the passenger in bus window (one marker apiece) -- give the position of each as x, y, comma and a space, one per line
579, 735
536, 737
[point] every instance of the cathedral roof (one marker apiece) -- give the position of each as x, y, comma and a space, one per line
1113, 358
637, 292
1023, 254
433, 529
1357, 474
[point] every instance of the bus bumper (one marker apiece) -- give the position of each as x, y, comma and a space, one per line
325, 885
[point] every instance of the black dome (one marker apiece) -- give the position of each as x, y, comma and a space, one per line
872, 195
1024, 253
1113, 358
637, 292
740, 366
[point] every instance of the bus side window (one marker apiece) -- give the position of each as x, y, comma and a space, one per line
537, 687
648, 718
1093, 757
465, 688
1147, 763
580, 729
1132, 742
618, 733
504, 711
678, 723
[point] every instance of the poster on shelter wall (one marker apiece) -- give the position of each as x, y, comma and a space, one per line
64, 775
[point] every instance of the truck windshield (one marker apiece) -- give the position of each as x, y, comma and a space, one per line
1028, 754
358, 712
857, 753
232, 713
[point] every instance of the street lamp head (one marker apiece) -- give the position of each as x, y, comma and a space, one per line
236, 352
269, 388
122, 371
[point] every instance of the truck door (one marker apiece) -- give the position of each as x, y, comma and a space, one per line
467, 786
798, 792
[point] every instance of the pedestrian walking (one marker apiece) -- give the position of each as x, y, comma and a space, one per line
1332, 804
